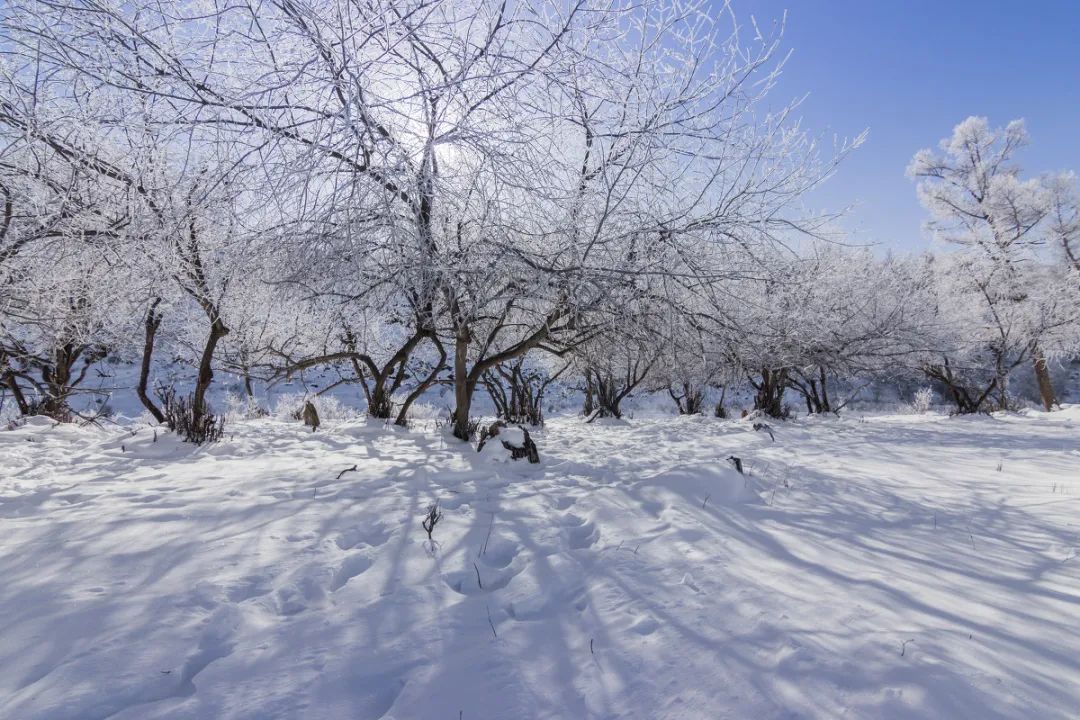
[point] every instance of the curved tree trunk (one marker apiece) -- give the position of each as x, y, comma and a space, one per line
206, 372
153, 322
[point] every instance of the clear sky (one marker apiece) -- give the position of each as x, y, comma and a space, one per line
909, 70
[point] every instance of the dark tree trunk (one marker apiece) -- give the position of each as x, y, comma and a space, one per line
589, 406
968, 400
769, 397
690, 401
427, 382
608, 397
518, 393
13, 385
206, 372
8, 380
813, 388
462, 390
153, 322
720, 411
826, 406
58, 382
386, 380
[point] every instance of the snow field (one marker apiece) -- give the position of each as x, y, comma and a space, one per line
885, 567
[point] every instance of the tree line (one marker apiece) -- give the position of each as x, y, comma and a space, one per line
485, 195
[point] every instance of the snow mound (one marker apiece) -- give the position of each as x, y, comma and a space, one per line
693, 483
494, 448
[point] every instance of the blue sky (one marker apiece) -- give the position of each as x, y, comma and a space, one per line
909, 71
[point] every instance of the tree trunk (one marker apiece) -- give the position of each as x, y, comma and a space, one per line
589, 405
57, 382
826, 406
153, 322
8, 379
720, 411
608, 397
429, 381
206, 371
691, 401
769, 397
966, 402
462, 392
17, 393
1042, 376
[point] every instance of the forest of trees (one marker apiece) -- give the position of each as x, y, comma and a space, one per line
489, 196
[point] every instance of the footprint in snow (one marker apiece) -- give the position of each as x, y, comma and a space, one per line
372, 536
688, 581
581, 532
645, 625
353, 565
563, 503
246, 588
499, 554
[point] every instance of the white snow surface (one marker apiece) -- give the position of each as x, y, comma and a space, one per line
878, 567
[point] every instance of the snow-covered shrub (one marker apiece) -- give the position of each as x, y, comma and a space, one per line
242, 407
924, 398
426, 411
500, 442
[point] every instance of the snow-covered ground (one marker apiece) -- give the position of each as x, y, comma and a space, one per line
883, 567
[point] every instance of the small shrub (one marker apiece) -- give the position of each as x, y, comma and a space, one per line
180, 417
924, 398
431, 519
473, 428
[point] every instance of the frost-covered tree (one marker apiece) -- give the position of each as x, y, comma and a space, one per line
61, 294
1064, 220
1002, 223
445, 187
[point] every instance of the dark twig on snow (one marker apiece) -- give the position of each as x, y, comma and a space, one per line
487, 538
767, 428
352, 469
431, 519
